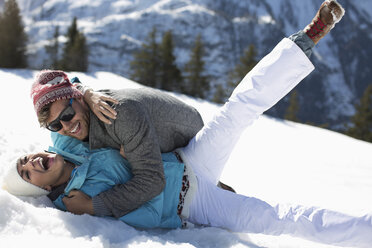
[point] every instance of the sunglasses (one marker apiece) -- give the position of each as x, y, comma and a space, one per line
66, 115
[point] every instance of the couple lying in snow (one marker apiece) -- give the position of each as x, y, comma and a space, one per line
129, 186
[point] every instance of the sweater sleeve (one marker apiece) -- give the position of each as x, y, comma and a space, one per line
137, 134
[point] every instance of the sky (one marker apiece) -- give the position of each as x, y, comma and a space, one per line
277, 161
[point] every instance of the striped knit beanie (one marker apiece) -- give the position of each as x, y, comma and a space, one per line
50, 86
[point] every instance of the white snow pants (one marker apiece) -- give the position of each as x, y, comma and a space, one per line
268, 82
207, 153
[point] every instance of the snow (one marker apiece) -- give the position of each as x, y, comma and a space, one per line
276, 161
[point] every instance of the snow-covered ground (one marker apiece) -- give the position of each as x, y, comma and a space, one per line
276, 161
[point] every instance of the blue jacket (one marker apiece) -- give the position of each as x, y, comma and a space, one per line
99, 170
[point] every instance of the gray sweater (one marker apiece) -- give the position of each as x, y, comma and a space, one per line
148, 123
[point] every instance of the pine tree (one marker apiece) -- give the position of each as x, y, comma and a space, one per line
247, 62
362, 120
196, 84
293, 108
13, 38
145, 65
75, 51
170, 76
81, 60
52, 50
220, 94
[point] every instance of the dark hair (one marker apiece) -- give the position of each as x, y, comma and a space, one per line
43, 115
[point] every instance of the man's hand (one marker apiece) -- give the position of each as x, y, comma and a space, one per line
78, 203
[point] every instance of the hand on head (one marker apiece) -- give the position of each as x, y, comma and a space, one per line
51, 95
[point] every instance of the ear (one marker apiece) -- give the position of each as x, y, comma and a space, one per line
48, 188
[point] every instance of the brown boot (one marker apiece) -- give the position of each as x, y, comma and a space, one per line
329, 13
225, 187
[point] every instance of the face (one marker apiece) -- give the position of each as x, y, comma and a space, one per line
78, 126
44, 169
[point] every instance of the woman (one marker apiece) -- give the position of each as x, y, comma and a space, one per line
191, 194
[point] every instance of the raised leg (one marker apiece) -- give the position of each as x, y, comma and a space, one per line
271, 79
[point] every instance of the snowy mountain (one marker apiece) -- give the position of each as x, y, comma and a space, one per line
279, 162
116, 28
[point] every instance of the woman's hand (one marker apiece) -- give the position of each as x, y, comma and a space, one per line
122, 153
78, 202
97, 103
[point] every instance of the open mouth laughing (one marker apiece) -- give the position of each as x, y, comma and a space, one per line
45, 163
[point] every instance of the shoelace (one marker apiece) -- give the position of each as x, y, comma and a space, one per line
316, 28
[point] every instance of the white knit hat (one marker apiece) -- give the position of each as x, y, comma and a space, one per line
16, 185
